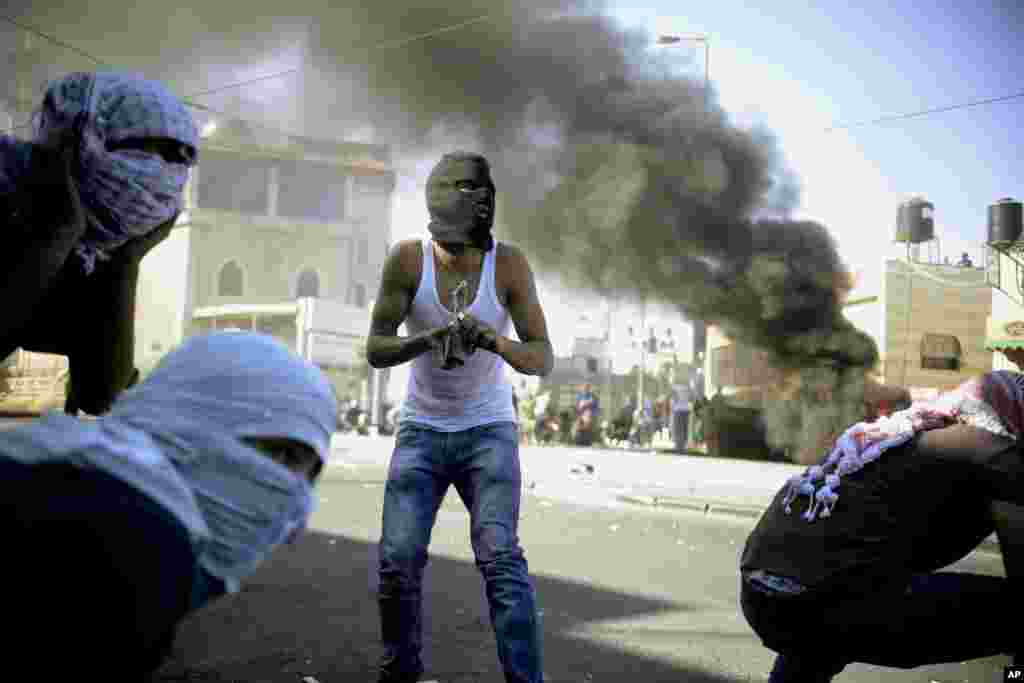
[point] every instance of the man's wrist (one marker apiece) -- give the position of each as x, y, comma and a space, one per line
425, 341
500, 345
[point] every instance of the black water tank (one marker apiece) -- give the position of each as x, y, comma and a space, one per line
914, 221
1004, 222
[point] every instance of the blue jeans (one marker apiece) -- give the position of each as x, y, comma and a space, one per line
936, 618
483, 465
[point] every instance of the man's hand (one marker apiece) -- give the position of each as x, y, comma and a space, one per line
446, 340
384, 348
477, 334
438, 336
1015, 356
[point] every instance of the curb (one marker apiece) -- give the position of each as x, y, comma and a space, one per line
356, 473
990, 545
695, 504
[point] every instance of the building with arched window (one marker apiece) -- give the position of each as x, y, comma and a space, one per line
230, 280
928, 321
308, 284
357, 295
282, 234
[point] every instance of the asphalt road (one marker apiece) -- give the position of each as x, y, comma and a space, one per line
626, 593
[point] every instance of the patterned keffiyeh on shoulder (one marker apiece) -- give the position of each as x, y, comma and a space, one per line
993, 402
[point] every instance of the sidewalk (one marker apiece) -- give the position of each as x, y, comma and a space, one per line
662, 479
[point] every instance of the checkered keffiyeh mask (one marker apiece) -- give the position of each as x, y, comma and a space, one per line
128, 192
993, 402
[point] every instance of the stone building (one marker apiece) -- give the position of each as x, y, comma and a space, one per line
928, 320
612, 340
933, 332
282, 234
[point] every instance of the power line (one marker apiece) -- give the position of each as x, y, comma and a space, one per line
95, 60
437, 31
189, 99
37, 32
925, 112
382, 46
67, 46
240, 84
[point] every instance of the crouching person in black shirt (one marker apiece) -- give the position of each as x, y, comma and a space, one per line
843, 565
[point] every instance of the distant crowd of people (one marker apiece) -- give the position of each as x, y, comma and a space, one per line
676, 419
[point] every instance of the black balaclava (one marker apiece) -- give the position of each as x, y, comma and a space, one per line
460, 199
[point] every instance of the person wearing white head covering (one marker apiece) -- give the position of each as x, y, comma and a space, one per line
173, 498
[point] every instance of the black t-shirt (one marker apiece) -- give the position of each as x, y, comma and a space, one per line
918, 508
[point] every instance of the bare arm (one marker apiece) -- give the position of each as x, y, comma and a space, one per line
532, 354
384, 348
992, 464
41, 235
895, 397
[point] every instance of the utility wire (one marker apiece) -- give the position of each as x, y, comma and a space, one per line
925, 112
382, 46
437, 31
66, 46
240, 84
31, 29
189, 99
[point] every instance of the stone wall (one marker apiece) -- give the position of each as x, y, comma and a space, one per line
32, 383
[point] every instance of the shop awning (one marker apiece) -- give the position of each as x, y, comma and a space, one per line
1004, 334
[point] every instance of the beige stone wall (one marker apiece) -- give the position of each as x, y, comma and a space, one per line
941, 300
272, 252
32, 383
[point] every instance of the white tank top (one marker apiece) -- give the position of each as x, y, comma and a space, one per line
474, 394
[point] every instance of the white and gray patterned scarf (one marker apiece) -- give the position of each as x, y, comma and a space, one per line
993, 402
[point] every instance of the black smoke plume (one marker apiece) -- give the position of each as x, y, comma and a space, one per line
612, 170
616, 174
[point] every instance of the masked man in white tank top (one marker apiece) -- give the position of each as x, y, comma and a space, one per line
457, 425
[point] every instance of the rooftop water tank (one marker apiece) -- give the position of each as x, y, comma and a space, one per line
914, 221
1004, 222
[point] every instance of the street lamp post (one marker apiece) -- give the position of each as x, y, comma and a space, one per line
673, 39
643, 356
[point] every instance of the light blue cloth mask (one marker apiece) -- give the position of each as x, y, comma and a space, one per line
177, 438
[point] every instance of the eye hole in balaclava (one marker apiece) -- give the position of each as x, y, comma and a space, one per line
171, 151
460, 198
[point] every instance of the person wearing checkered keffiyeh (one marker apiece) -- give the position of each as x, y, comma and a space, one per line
127, 192
851, 562
100, 183
992, 402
